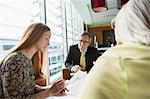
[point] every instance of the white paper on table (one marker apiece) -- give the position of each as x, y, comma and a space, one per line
80, 75
61, 97
76, 82
73, 85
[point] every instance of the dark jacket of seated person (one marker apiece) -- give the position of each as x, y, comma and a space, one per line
73, 58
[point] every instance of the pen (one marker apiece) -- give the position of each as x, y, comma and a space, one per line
66, 89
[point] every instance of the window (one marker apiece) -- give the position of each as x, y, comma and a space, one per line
12, 29
7, 47
49, 61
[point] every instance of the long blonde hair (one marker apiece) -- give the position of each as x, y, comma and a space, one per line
30, 37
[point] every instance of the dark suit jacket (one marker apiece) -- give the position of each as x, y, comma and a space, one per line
73, 57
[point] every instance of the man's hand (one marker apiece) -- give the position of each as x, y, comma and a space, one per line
75, 68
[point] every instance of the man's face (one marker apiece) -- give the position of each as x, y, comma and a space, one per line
84, 42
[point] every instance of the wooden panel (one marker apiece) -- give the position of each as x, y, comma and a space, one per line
98, 32
101, 27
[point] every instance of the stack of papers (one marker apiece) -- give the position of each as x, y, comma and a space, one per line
73, 85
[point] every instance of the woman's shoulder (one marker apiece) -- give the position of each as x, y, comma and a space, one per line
13, 56
10, 61
111, 52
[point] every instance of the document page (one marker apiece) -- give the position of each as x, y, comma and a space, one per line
73, 85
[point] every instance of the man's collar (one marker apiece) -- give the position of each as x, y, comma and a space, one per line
81, 50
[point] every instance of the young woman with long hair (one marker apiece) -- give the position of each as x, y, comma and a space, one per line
22, 67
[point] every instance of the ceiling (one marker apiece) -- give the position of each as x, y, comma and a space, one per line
98, 18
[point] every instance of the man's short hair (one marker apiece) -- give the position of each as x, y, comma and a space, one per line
85, 33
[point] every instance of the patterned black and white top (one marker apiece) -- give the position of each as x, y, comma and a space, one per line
17, 78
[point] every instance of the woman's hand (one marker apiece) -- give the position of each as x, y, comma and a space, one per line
57, 89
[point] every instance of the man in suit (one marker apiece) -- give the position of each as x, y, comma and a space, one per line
81, 56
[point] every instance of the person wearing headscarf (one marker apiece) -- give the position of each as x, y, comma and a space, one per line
123, 71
